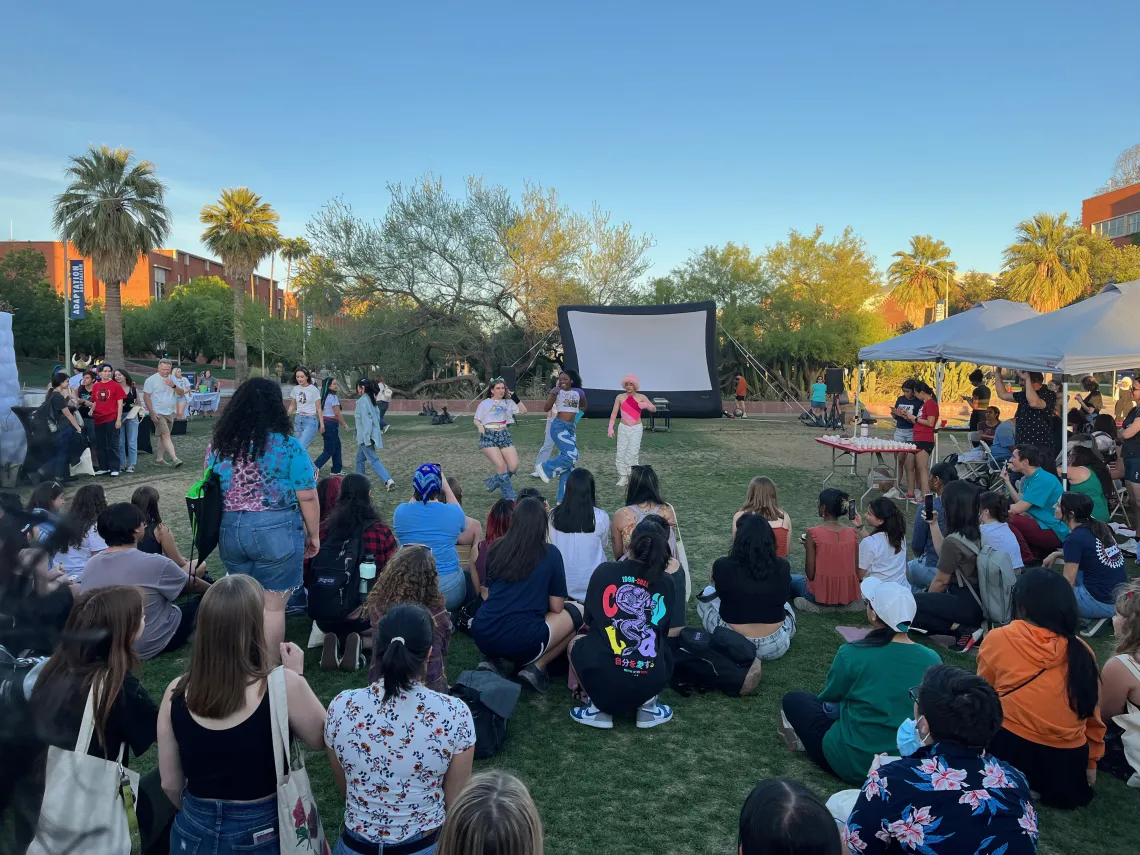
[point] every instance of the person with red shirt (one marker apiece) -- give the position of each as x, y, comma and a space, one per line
924, 424
108, 397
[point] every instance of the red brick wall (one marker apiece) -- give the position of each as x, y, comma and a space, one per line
1126, 200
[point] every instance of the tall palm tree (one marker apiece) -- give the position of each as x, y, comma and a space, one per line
1048, 265
241, 230
113, 210
919, 277
294, 249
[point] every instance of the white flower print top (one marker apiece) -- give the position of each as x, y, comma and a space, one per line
394, 756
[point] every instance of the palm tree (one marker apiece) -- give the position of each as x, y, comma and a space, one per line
241, 230
113, 210
294, 249
919, 277
1048, 265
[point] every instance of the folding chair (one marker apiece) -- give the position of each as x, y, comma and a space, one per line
981, 472
1120, 491
1093, 628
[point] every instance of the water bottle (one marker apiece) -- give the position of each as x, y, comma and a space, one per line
367, 572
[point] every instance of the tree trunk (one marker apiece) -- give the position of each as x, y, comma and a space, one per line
241, 352
113, 324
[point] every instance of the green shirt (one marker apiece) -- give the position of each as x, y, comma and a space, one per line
1092, 488
872, 686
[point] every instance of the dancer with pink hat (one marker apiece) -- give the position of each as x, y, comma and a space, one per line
628, 405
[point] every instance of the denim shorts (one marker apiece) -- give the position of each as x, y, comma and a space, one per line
904, 434
496, 439
267, 545
1132, 469
225, 828
768, 648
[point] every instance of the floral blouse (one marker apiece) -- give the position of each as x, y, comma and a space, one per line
944, 798
395, 756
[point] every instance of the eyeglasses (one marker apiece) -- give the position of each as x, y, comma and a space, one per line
913, 692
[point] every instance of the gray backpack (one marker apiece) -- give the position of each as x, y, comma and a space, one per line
995, 583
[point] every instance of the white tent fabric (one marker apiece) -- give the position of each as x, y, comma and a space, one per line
927, 344
1098, 334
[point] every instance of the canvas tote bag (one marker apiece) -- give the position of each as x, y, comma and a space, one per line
299, 826
682, 557
89, 802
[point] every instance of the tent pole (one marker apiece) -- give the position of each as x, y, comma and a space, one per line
1064, 434
858, 386
938, 399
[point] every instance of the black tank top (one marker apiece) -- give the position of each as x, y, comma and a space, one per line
149, 542
227, 765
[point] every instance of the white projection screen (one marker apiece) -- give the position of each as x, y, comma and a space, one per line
671, 349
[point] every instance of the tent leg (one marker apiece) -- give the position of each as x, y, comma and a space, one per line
1064, 434
938, 399
858, 386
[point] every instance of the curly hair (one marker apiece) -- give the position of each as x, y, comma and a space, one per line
408, 577
255, 411
88, 502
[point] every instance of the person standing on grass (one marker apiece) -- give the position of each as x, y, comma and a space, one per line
819, 396
568, 402
108, 397
215, 733
60, 410
525, 618
160, 393
741, 394
1035, 405
129, 434
270, 512
924, 426
400, 753
369, 433
383, 401
866, 697
303, 399
629, 405
184, 385
168, 626
333, 421
905, 411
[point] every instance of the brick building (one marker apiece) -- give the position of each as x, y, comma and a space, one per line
1115, 215
156, 274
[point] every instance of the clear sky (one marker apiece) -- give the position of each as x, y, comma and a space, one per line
699, 123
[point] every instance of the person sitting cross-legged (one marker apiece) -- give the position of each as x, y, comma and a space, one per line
946, 791
1091, 560
831, 576
858, 713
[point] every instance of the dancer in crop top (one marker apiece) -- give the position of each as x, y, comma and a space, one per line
568, 401
628, 405
493, 417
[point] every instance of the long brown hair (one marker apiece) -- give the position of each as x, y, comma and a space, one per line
1128, 607
762, 499
408, 577
96, 651
229, 651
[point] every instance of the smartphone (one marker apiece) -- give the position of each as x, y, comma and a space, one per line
851, 511
928, 512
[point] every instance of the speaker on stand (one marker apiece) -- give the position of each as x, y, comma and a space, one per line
833, 377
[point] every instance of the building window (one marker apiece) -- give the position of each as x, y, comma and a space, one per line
179, 278
1133, 223
159, 282
280, 306
207, 266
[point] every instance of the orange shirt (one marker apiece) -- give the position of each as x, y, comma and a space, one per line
741, 387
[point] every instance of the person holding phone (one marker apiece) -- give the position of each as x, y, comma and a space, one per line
906, 409
924, 436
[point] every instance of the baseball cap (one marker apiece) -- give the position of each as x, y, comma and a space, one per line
892, 602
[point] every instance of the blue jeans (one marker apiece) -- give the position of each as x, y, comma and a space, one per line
209, 827
62, 462
366, 455
799, 587
305, 428
382, 408
129, 442
453, 586
341, 849
768, 648
267, 545
332, 447
920, 574
1089, 606
566, 441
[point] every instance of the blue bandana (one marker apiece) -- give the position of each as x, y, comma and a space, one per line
427, 480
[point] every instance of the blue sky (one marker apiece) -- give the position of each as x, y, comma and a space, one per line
697, 123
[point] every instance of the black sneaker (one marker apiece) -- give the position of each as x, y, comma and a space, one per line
535, 677
967, 638
493, 664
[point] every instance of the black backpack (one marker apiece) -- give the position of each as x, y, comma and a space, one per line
334, 579
722, 661
490, 729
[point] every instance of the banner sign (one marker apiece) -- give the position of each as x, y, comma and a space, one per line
308, 324
75, 280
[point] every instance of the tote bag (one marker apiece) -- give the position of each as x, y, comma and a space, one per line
89, 802
299, 826
682, 558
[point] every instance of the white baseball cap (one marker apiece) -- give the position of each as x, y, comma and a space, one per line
892, 602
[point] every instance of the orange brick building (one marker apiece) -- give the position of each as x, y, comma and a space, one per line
156, 274
1115, 215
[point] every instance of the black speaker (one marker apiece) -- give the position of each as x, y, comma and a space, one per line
834, 379
510, 376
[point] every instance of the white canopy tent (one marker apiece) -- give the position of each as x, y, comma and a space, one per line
1098, 334
929, 343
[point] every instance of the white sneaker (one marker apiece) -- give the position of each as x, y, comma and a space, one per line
535, 474
115, 473
316, 637
591, 716
385, 428
893, 493
653, 713
542, 476
623, 481
390, 484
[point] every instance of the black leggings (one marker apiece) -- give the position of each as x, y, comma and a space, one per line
806, 714
1058, 774
937, 613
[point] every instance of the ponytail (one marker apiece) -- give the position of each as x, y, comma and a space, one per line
834, 502
401, 646
1079, 507
328, 381
893, 524
1084, 682
996, 503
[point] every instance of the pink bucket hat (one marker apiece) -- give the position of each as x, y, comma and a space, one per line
631, 378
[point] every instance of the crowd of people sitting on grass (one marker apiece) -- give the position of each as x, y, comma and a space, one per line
95, 588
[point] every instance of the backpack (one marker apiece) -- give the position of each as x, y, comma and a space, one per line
490, 725
995, 583
723, 661
334, 579
204, 505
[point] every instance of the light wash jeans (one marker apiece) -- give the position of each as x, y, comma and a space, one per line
129, 442
453, 586
1089, 606
768, 648
547, 448
920, 574
305, 428
799, 587
366, 455
566, 440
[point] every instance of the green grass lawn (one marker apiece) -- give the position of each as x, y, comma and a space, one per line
679, 787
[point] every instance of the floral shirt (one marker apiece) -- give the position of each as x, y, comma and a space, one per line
268, 483
944, 798
395, 756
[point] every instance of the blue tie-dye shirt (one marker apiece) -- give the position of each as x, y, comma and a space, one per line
269, 483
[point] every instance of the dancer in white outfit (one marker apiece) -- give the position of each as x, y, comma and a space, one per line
628, 405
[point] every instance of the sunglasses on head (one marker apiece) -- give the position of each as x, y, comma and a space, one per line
418, 545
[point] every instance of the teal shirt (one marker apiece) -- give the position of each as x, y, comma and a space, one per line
1042, 490
819, 392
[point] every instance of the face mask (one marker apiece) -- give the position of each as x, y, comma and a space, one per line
908, 739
